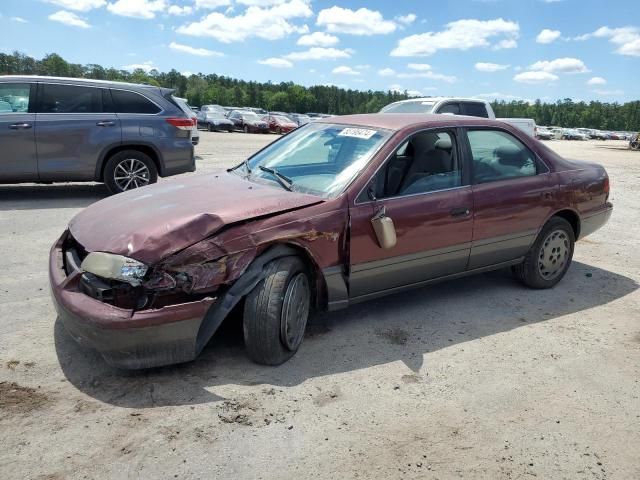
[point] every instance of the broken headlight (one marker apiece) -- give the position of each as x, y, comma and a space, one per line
114, 267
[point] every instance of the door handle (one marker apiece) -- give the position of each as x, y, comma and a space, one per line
20, 126
460, 212
106, 123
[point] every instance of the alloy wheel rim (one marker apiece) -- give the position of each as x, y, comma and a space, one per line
295, 310
554, 254
131, 173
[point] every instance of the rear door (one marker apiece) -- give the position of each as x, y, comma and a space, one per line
18, 160
74, 127
513, 194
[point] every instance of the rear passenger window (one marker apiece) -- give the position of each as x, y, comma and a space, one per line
131, 102
14, 97
498, 155
474, 109
69, 99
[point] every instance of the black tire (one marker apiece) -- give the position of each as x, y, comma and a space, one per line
267, 336
549, 257
123, 159
210, 128
246, 129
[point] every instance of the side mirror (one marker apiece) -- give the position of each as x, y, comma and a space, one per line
384, 228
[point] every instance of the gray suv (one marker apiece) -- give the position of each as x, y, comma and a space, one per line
69, 129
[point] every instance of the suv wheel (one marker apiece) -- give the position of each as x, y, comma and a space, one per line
129, 169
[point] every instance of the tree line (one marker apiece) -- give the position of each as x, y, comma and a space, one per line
200, 89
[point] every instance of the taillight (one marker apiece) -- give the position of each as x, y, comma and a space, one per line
194, 121
181, 123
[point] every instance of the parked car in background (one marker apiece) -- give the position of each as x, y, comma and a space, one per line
340, 211
213, 108
74, 130
248, 122
542, 133
573, 134
259, 111
473, 107
299, 118
214, 120
634, 142
195, 134
279, 124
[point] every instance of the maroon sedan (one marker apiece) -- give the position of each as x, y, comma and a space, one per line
279, 123
341, 210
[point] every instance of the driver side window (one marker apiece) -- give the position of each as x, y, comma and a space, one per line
426, 162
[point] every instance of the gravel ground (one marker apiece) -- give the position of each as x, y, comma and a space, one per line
477, 378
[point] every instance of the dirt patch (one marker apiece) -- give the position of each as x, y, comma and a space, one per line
239, 412
329, 396
15, 398
395, 336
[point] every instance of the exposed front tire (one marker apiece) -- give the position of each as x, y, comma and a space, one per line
129, 169
549, 257
276, 312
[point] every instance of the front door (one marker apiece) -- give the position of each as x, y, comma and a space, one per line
512, 196
421, 187
75, 127
18, 160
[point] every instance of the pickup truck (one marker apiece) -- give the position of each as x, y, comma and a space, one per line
472, 107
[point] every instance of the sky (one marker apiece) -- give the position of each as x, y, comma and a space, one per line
504, 49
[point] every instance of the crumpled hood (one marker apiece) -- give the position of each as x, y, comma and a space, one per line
150, 223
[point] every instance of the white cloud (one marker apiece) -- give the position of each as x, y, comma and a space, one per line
200, 52
212, 4
535, 77
79, 5
596, 81
506, 43
179, 11
318, 39
145, 9
146, 66
386, 72
319, 53
344, 70
261, 3
354, 22
270, 23
69, 18
276, 62
490, 67
609, 92
548, 36
627, 39
560, 65
421, 67
430, 75
18, 20
460, 35
406, 19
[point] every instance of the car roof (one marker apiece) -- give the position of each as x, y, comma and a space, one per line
400, 121
87, 81
440, 99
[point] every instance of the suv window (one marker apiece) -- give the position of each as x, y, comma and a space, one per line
450, 108
14, 97
498, 155
131, 102
69, 99
426, 162
474, 109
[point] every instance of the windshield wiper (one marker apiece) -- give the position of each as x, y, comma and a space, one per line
283, 180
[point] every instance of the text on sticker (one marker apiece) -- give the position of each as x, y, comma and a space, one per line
364, 133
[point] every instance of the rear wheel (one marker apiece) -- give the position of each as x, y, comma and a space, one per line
276, 312
129, 169
246, 129
550, 256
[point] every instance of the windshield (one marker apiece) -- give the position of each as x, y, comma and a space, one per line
282, 119
219, 115
250, 117
418, 106
319, 158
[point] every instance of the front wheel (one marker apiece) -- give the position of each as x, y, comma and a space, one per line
129, 169
550, 256
276, 312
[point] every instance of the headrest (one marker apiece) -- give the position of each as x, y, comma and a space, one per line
510, 155
443, 143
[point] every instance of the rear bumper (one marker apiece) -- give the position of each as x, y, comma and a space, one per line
126, 339
593, 222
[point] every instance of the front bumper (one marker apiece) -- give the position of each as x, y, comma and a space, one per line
125, 338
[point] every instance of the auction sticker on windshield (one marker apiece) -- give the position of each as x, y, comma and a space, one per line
363, 133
